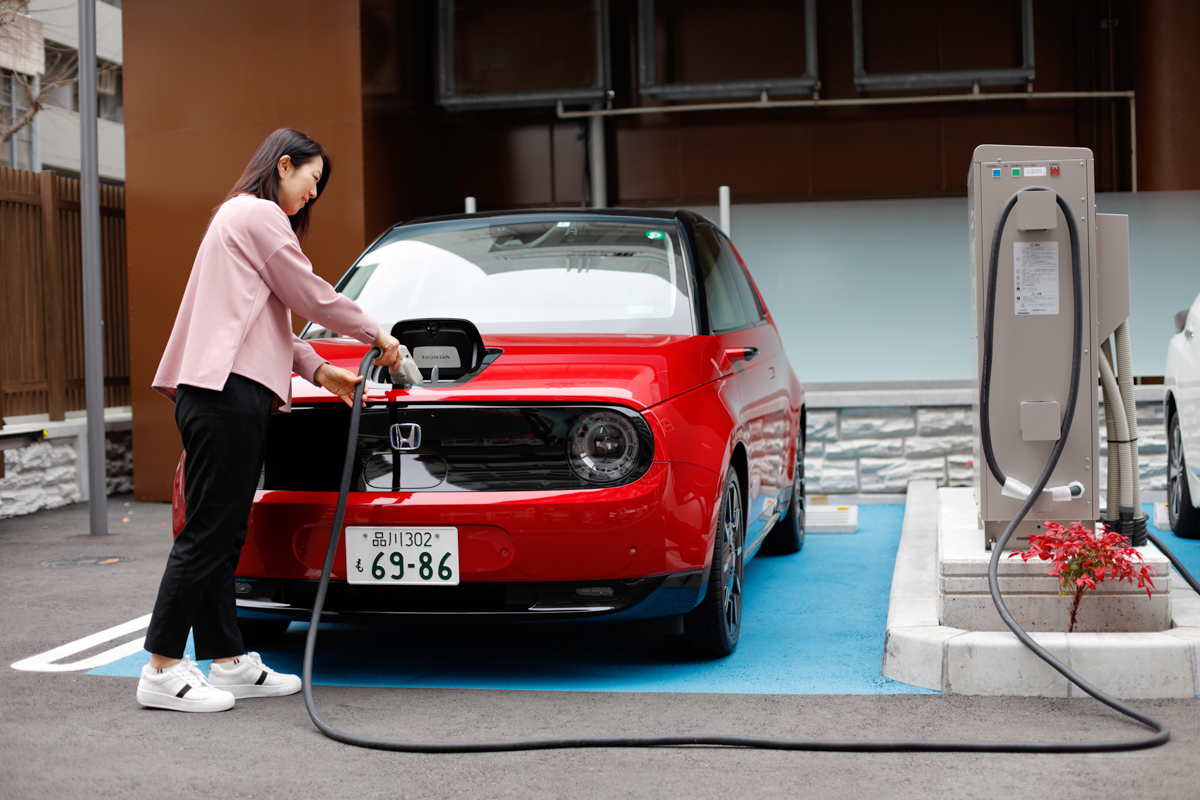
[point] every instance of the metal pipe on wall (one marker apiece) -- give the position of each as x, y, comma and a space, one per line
816, 102
89, 221
35, 130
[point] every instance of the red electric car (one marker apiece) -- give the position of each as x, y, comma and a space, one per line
607, 427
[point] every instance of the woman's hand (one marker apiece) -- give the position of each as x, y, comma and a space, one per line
390, 346
339, 381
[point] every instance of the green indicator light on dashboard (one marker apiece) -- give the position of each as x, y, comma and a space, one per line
654, 234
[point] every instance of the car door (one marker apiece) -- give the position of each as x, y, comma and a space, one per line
738, 318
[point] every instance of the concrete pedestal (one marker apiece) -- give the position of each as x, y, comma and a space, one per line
1030, 593
923, 649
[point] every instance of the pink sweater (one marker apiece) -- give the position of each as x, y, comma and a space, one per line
248, 277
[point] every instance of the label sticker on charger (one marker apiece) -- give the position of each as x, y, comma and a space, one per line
1035, 278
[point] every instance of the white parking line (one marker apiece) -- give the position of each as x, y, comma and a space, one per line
45, 661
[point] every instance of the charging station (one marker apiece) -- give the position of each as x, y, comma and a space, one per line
1029, 197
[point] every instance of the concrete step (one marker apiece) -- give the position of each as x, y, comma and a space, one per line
922, 651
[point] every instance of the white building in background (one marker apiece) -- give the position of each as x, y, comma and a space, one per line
48, 38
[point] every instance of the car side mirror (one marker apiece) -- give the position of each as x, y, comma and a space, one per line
1181, 320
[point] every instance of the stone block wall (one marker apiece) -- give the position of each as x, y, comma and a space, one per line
878, 444
118, 462
870, 449
42, 475
49, 473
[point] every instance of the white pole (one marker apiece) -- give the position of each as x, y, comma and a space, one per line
1133, 142
723, 201
470, 205
597, 179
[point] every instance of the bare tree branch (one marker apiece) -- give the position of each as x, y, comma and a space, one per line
61, 69
8, 128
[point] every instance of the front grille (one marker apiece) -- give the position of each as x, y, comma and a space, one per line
462, 448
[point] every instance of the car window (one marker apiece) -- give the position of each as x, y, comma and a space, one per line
530, 274
750, 299
729, 297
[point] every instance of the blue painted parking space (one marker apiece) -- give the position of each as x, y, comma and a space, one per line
813, 624
1186, 550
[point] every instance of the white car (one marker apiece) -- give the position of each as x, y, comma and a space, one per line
1182, 402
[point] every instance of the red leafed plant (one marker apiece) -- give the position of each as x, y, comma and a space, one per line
1083, 558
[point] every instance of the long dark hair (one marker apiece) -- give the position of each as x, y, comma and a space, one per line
261, 177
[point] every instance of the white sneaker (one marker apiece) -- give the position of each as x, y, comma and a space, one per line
181, 687
247, 676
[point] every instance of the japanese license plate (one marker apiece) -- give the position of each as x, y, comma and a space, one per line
402, 556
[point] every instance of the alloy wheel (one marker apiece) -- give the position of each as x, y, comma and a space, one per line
1175, 475
731, 523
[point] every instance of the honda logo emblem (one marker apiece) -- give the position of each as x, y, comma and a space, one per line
406, 436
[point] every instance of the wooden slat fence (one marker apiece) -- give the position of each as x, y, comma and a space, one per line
41, 307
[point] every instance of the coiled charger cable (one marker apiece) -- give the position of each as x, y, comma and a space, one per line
1160, 733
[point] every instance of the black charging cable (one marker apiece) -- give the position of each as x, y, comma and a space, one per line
989, 326
1159, 737
985, 380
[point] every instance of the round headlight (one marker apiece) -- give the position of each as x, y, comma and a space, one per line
603, 447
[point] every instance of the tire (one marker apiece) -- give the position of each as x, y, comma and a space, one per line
711, 629
258, 633
1185, 518
787, 535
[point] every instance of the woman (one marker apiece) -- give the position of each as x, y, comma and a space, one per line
227, 367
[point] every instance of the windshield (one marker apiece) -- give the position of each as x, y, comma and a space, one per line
549, 275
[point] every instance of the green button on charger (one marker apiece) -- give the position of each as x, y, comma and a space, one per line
1016, 172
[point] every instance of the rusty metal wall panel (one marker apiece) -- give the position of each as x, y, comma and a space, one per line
927, 35
799, 154
508, 163
1168, 95
505, 158
204, 85
527, 45
894, 155
715, 40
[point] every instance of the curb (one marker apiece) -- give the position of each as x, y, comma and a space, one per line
918, 650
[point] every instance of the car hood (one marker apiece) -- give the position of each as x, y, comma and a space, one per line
638, 371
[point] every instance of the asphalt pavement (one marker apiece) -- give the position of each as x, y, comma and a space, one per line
73, 734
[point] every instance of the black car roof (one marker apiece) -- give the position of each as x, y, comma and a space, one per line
643, 213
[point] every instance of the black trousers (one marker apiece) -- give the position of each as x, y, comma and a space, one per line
223, 436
